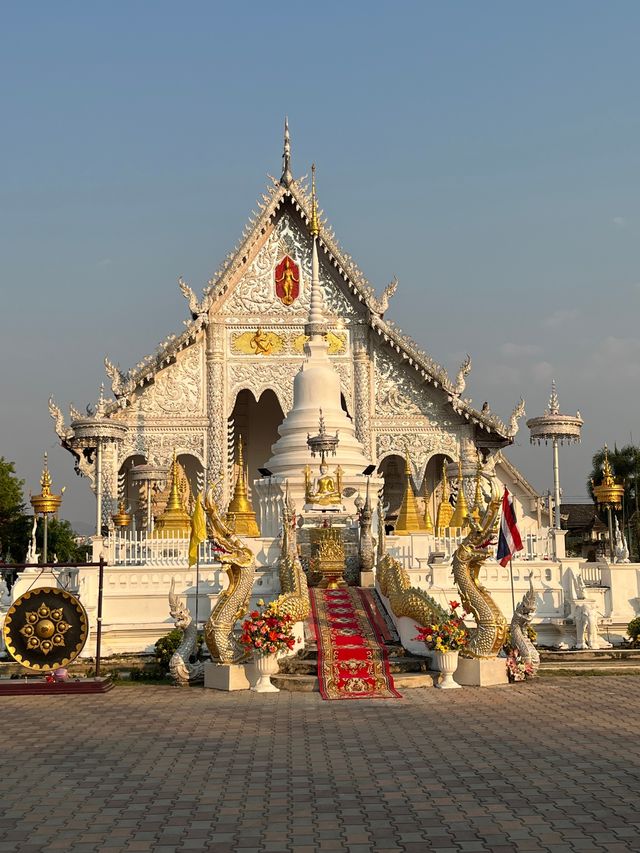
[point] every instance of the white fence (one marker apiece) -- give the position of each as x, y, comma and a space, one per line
134, 548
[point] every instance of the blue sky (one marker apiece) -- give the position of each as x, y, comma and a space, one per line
486, 153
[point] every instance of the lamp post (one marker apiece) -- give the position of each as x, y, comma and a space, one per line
608, 494
45, 504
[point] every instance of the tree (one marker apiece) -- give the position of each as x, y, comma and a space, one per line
14, 523
61, 541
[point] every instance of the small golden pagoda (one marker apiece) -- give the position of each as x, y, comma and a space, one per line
476, 512
445, 510
459, 519
240, 515
175, 520
46, 502
428, 523
409, 520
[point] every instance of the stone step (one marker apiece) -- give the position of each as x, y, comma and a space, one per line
594, 655
296, 683
309, 665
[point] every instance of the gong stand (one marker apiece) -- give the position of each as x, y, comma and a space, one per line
49, 628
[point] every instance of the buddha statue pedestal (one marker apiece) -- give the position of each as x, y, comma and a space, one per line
328, 557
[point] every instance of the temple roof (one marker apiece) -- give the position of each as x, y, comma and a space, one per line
295, 192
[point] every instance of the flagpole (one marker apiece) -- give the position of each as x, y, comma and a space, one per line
513, 595
197, 587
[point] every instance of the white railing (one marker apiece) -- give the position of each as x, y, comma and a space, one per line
135, 548
591, 574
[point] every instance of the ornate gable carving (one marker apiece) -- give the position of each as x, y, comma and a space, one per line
177, 389
255, 294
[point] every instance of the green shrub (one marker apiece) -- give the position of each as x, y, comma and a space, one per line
633, 630
167, 645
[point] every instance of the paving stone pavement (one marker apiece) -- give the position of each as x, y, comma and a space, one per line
552, 765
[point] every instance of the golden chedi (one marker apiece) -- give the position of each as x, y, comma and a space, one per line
409, 520
241, 518
428, 523
460, 518
445, 510
175, 520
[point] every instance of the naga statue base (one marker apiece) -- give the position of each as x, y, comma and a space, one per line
481, 672
227, 676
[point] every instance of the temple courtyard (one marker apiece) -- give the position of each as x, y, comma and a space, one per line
549, 765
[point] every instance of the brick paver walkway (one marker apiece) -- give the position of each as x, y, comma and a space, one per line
553, 765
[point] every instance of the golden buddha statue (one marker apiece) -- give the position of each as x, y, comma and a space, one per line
326, 490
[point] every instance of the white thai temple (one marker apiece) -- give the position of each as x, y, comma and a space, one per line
289, 318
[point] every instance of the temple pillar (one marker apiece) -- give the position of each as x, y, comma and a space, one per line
362, 387
217, 427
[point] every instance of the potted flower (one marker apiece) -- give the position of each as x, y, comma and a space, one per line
445, 639
265, 633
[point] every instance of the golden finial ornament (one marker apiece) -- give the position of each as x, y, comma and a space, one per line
46, 502
121, 518
175, 520
608, 493
445, 510
241, 517
315, 224
459, 519
409, 520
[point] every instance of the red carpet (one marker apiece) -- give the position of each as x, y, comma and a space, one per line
352, 662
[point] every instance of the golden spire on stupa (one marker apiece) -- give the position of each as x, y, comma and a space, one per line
445, 510
459, 519
409, 520
315, 224
241, 517
175, 520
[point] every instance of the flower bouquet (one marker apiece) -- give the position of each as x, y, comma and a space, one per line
517, 668
267, 632
449, 635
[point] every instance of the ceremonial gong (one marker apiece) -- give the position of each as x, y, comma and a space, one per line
46, 628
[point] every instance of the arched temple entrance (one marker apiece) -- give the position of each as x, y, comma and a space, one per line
392, 469
257, 422
433, 479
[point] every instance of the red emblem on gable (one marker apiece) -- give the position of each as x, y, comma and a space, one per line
287, 277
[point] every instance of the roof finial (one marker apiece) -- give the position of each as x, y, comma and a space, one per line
315, 225
554, 405
286, 177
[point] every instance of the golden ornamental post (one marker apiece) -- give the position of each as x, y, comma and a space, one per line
46, 503
608, 494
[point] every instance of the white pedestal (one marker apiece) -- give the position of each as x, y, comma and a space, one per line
481, 672
226, 676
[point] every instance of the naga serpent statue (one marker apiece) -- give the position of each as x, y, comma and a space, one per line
393, 583
521, 620
487, 638
294, 598
181, 670
233, 602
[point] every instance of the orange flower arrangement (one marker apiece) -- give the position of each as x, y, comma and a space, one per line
267, 632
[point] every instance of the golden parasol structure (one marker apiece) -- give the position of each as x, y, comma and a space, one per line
46, 503
608, 495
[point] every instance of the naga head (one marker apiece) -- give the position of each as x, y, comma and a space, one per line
179, 612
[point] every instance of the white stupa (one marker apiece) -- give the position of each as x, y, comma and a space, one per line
316, 387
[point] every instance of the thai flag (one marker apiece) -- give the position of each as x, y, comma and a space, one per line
509, 541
